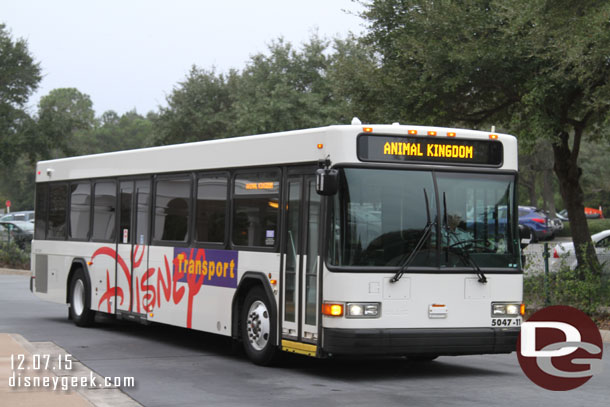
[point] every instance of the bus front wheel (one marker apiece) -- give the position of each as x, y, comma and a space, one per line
258, 328
80, 300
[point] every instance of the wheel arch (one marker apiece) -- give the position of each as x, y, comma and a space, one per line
77, 263
250, 280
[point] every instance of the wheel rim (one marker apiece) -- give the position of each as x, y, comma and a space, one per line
78, 297
258, 325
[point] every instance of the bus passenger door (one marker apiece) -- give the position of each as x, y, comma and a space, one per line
301, 264
132, 260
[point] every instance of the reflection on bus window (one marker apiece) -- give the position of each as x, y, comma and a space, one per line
256, 208
172, 207
104, 211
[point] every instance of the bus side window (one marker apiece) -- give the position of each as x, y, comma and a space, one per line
104, 211
211, 208
256, 209
58, 205
172, 208
80, 210
40, 224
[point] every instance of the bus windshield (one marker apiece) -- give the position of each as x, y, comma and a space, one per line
379, 216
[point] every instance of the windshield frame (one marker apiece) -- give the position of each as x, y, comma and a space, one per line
436, 216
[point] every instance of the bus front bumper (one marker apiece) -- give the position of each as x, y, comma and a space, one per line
420, 341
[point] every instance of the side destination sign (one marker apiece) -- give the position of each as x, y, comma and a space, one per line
381, 148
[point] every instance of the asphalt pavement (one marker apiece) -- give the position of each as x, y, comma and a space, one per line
177, 367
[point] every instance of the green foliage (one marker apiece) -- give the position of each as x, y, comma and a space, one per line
11, 256
200, 108
595, 226
19, 78
61, 114
116, 133
580, 288
284, 89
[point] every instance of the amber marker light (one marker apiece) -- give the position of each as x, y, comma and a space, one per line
493, 136
273, 282
320, 146
367, 129
332, 310
522, 309
413, 132
89, 263
450, 134
432, 133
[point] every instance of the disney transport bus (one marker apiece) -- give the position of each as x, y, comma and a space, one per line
367, 240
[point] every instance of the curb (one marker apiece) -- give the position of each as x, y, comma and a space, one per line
97, 397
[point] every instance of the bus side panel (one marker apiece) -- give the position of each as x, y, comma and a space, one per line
194, 287
51, 263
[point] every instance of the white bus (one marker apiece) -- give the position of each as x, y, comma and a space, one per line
368, 240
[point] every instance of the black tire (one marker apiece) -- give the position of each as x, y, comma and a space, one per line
258, 328
80, 300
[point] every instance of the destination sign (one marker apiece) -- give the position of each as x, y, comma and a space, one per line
381, 148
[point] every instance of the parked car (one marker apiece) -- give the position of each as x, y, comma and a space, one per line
18, 216
536, 221
590, 213
564, 252
18, 231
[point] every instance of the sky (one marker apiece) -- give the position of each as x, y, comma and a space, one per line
130, 54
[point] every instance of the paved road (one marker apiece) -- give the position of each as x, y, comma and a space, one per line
180, 368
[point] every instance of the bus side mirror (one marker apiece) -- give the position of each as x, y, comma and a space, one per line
327, 181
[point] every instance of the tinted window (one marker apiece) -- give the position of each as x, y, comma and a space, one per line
42, 192
256, 208
80, 210
104, 211
58, 203
172, 207
211, 208
142, 211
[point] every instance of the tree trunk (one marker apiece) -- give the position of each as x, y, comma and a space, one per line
569, 173
547, 192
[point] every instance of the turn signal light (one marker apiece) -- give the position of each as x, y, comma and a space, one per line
368, 129
450, 134
332, 310
522, 309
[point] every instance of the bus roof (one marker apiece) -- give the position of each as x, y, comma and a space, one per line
337, 142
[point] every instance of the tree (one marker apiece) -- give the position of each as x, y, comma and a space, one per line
61, 115
19, 78
288, 89
116, 133
200, 108
539, 67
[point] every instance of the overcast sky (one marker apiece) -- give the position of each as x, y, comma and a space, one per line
129, 54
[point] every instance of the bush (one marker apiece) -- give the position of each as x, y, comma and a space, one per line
12, 256
580, 288
595, 226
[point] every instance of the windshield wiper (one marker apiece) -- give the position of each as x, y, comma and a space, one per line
420, 243
461, 252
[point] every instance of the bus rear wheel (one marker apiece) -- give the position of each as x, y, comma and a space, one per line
80, 300
258, 328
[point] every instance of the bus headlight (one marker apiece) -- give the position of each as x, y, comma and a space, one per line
363, 310
505, 309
